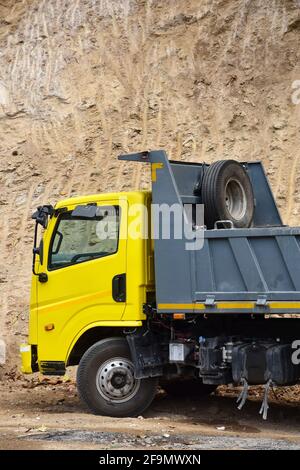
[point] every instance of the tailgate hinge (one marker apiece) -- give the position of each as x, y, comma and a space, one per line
210, 301
262, 301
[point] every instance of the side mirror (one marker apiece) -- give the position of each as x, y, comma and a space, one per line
41, 215
40, 219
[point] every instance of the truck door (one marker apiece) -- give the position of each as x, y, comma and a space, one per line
85, 282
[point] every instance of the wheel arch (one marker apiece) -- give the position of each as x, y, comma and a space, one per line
91, 335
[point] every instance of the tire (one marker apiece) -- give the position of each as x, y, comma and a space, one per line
227, 194
187, 388
106, 383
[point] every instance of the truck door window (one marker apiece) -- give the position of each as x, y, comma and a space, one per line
79, 239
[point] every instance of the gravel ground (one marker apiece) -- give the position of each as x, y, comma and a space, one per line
47, 414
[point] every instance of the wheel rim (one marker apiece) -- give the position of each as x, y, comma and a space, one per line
235, 199
115, 380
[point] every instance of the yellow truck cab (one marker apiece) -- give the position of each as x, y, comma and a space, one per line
86, 285
132, 294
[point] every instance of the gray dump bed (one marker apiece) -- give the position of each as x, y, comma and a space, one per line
253, 270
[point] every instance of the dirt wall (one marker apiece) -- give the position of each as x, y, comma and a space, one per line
82, 81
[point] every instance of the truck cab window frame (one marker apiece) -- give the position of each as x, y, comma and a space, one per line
82, 239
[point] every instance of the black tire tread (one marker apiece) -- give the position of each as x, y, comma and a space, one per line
86, 395
212, 187
208, 189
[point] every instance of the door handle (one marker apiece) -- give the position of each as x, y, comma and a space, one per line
119, 288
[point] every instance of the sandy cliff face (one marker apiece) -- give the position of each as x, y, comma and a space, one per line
82, 81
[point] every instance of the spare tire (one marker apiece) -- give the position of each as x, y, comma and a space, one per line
227, 194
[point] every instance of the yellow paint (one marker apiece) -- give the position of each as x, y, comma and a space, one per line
198, 306
154, 167
25, 351
234, 305
284, 305
79, 297
176, 306
103, 324
77, 301
230, 306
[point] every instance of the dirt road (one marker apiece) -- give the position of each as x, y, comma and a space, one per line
48, 415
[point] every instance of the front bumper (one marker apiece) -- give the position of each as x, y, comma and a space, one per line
26, 358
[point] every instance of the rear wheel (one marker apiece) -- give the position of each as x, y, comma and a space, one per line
187, 388
106, 382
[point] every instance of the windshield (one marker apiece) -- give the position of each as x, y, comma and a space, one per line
79, 239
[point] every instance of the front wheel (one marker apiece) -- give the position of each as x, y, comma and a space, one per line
106, 382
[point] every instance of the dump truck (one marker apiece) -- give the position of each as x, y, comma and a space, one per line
189, 286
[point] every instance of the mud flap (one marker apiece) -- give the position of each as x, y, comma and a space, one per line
146, 354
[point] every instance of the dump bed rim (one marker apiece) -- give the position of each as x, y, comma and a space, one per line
270, 231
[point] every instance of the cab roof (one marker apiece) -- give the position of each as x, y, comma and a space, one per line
134, 196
